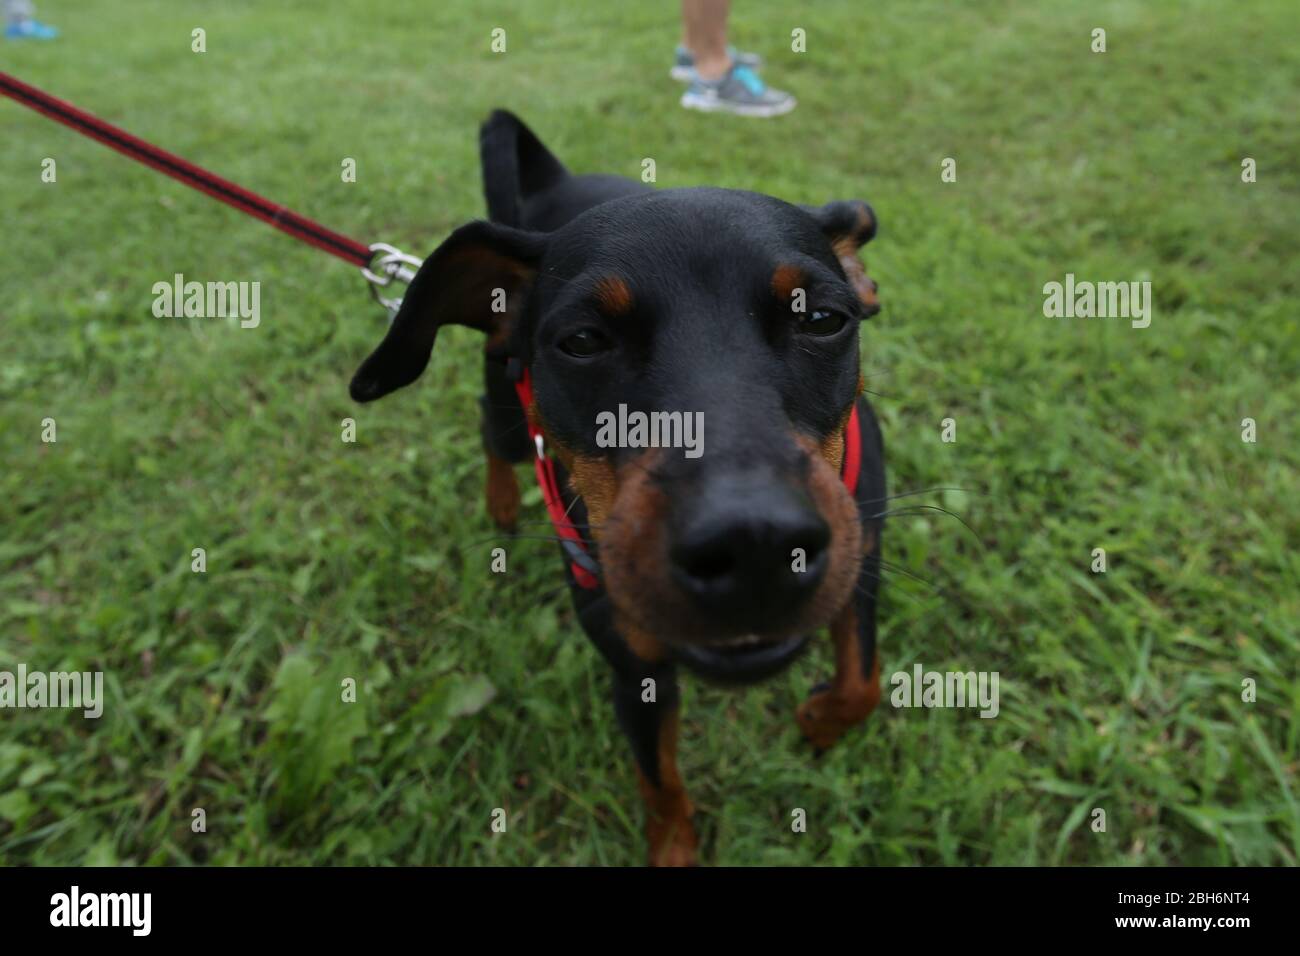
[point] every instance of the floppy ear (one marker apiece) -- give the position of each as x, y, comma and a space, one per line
849, 224
476, 278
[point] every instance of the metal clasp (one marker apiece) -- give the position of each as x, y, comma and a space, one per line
389, 265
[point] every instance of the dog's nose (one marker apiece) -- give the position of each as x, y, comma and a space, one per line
750, 560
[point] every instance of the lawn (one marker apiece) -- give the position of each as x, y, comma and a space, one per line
1121, 691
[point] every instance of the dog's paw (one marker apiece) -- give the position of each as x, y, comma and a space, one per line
673, 845
668, 827
825, 716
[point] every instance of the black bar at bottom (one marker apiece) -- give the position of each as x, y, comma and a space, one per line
333, 906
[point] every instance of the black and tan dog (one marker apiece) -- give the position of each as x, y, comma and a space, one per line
597, 292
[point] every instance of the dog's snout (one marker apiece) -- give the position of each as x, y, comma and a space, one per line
748, 560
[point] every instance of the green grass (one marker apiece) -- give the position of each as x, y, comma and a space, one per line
327, 560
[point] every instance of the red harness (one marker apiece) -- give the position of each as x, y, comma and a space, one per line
580, 561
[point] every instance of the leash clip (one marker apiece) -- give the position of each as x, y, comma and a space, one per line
389, 265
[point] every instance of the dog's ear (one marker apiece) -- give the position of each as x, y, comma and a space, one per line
476, 278
849, 224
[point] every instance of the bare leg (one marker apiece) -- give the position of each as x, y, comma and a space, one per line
19, 11
705, 24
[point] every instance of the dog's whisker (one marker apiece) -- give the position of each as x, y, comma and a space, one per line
899, 569
918, 509
893, 589
922, 491
548, 595
894, 585
572, 503
575, 525
508, 536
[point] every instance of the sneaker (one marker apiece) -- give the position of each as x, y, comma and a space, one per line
740, 91
30, 29
684, 62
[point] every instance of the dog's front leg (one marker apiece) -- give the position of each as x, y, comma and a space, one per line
831, 709
505, 441
647, 705
502, 493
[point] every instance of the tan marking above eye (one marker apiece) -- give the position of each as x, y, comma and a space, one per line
785, 280
613, 297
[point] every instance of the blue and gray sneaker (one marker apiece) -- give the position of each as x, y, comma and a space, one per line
684, 62
30, 29
740, 91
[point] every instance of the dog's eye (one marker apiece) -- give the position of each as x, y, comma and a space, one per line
822, 322
584, 343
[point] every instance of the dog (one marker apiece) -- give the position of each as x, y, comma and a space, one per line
596, 293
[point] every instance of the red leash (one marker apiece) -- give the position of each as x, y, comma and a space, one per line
282, 218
